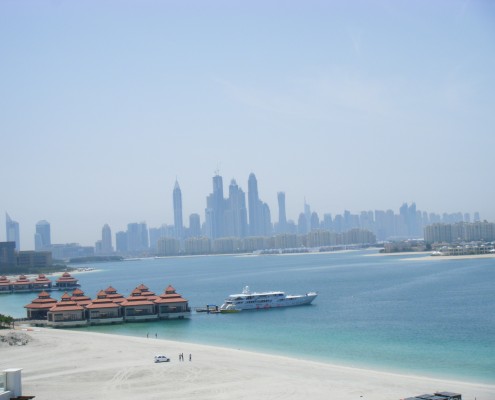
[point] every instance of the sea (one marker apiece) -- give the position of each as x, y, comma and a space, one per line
394, 313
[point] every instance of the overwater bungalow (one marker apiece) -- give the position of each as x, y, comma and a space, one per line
113, 295
138, 307
109, 307
171, 304
146, 292
21, 285
5, 285
39, 307
80, 298
66, 312
41, 283
66, 281
103, 310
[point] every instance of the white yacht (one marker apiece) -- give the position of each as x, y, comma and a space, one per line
248, 300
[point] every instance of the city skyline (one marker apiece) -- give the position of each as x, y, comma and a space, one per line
345, 106
229, 217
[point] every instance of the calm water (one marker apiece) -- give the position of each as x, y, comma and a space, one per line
435, 318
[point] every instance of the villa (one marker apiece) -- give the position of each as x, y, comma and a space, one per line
109, 307
40, 283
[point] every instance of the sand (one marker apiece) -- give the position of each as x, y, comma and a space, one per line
63, 364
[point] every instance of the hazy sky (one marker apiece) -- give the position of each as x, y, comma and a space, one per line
356, 105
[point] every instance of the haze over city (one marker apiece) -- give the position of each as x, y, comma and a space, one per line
351, 106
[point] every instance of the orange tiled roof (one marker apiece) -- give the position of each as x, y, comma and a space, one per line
42, 301
66, 277
41, 278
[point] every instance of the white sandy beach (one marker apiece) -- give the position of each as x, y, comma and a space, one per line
428, 257
61, 364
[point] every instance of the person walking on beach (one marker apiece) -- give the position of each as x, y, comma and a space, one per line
190, 357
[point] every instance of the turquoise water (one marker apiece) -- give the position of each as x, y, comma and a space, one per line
434, 318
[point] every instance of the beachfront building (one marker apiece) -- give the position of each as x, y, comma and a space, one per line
21, 284
103, 310
39, 307
5, 285
41, 282
138, 307
109, 307
171, 305
66, 312
66, 281
113, 295
80, 298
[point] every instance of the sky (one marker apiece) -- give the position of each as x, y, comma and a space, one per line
349, 105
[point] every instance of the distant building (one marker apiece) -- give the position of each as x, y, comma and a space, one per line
198, 245
282, 217
178, 224
236, 212
194, 226
460, 232
168, 247
12, 231
34, 259
137, 237
7, 254
106, 240
254, 206
42, 237
121, 242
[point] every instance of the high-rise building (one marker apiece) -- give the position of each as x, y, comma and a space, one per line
236, 213
259, 213
254, 206
194, 226
106, 240
282, 217
7, 254
121, 242
178, 224
42, 237
137, 237
215, 210
12, 231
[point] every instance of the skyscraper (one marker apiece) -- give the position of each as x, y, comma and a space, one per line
215, 210
42, 237
194, 225
282, 218
12, 231
137, 237
259, 213
236, 213
178, 224
254, 206
106, 240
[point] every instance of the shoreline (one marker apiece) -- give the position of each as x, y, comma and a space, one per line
100, 365
427, 256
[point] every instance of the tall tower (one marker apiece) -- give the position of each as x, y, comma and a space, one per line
12, 231
42, 237
178, 224
106, 240
282, 218
254, 206
194, 225
236, 213
215, 210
